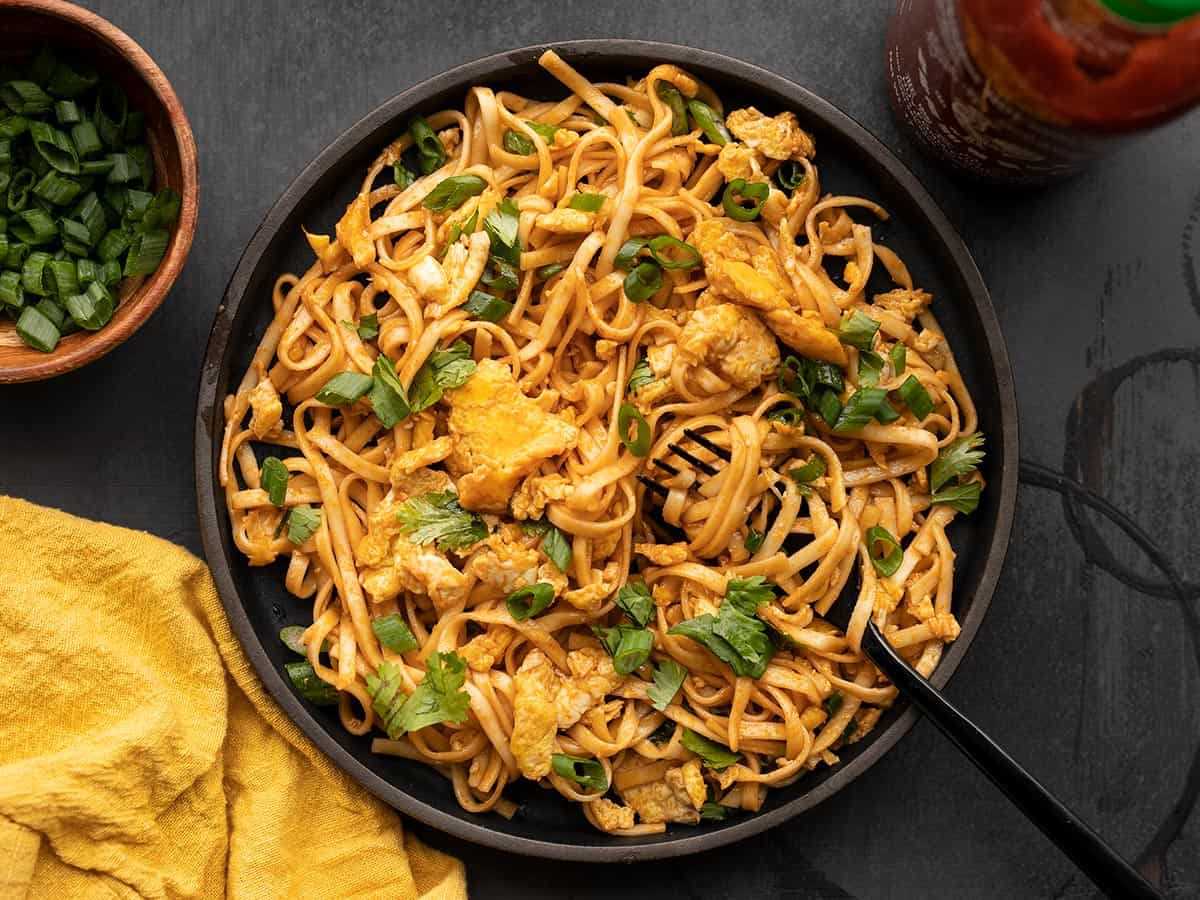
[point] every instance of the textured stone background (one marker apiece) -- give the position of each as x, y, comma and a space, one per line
1088, 680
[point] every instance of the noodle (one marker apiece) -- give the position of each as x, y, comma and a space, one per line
613, 461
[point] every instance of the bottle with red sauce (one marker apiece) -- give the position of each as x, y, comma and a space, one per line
1030, 91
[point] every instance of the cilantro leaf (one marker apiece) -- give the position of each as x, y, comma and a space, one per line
963, 497
388, 397
444, 369
715, 756
747, 593
635, 600
502, 225
438, 698
712, 811
754, 540
556, 546
628, 645
368, 326
956, 459
437, 518
302, 523
668, 679
734, 635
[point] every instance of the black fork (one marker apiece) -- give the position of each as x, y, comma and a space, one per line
1096, 859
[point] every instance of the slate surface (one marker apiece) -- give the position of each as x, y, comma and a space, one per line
1086, 667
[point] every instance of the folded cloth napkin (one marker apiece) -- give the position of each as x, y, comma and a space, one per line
140, 756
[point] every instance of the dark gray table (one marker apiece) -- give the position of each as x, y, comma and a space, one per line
1088, 681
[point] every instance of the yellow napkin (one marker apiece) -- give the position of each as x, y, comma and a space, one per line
140, 756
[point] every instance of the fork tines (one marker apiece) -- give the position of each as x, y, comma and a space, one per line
708, 445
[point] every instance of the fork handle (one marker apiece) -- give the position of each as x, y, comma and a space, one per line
1096, 859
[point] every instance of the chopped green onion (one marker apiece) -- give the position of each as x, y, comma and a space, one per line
431, 153
25, 98
92, 309
809, 472
33, 277
672, 253
640, 376
858, 330
711, 811
627, 415
70, 79
556, 546
486, 307
916, 397
274, 479
588, 773
145, 164
671, 96
870, 368
309, 685
113, 244
110, 272
860, 409
344, 388
146, 251
292, 638
833, 703
629, 252
6, 156
502, 225
57, 189
546, 272
67, 112
54, 147
887, 562
37, 331
94, 167
587, 202
76, 237
124, 168
899, 358
12, 126
633, 650
19, 187
134, 125
388, 398
963, 497
515, 142
453, 192
11, 292
546, 132
643, 282
162, 211
112, 109
86, 271
737, 192
710, 122
52, 311
34, 226
60, 277
393, 632
526, 602
790, 175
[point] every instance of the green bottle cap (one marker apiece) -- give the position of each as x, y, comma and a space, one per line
1153, 12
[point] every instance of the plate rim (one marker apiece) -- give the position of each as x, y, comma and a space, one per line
481, 70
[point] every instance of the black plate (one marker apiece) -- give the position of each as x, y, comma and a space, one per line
850, 161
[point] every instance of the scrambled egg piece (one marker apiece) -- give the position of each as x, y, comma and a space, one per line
504, 561
411, 460
752, 278
566, 221
547, 701
267, 408
535, 492
390, 563
352, 231
500, 435
661, 357
903, 302
663, 554
429, 280
611, 816
732, 341
944, 626
484, 650
591, 597
780, 137
677, 798
739, 161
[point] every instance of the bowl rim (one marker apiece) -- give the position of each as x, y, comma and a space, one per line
150, 294
582, 52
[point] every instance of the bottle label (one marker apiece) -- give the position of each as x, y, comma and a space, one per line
967, 116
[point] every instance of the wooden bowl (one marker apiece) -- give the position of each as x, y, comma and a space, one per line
25, 25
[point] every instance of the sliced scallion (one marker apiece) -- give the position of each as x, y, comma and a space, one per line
738, 192
627, 415
643, 282
888, 561
526, 602
37, 331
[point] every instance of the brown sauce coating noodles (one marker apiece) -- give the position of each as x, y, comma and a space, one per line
539, 391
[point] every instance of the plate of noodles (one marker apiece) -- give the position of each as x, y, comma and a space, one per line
550, 409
